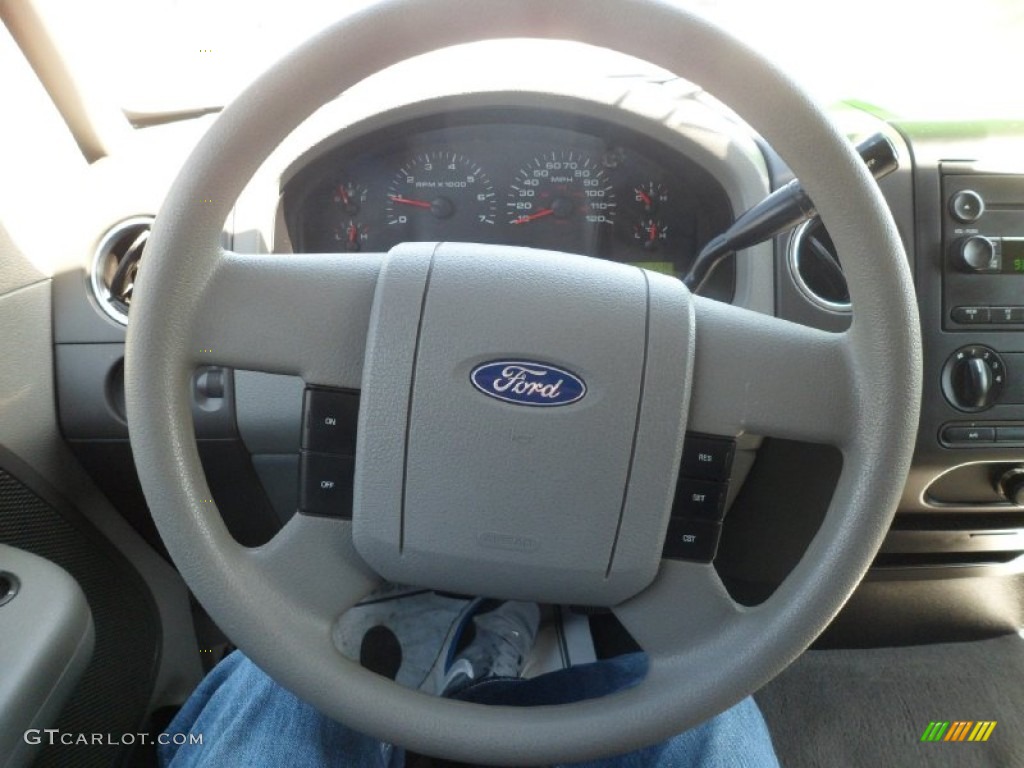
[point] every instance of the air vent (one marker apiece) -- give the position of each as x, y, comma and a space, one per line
816, 269
116, 263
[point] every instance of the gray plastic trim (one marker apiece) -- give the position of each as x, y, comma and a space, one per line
47, 637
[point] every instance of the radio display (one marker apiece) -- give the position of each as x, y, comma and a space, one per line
1013, 256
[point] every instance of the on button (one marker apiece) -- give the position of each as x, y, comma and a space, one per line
329, 424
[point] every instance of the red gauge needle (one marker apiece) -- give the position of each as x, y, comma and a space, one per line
652, 232
407, 201
532, 216
343, 194
352, 233
644, 197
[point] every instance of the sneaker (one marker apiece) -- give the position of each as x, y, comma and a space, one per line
496, 645
404, 633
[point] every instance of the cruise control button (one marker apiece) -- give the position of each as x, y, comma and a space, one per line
330, 421
969, 434
699, 499
706, 458
325, 485
692, 539
970, 315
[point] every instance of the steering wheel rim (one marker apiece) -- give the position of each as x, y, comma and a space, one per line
706, 652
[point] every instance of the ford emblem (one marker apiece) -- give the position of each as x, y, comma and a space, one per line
524, 382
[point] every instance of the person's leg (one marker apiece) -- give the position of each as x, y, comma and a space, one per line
737, 738
246, 719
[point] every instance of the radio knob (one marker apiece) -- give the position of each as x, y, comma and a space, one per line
972, 378
977, 253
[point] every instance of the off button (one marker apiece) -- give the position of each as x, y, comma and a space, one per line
325, 485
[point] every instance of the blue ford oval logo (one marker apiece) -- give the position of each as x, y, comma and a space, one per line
524, 382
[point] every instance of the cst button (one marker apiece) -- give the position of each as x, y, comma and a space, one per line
692, 539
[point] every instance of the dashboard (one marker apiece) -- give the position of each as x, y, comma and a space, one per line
523, 177
635, 169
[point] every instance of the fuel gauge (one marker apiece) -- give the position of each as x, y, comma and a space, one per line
651, 196
349, 197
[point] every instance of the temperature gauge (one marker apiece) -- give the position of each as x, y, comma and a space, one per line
650, 233
351, 236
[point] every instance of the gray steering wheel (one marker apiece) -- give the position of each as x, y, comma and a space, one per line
441, 498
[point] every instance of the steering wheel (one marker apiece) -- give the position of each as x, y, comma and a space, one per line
443, 497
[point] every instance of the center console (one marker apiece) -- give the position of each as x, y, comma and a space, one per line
963, 508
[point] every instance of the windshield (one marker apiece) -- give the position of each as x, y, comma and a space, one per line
943, 59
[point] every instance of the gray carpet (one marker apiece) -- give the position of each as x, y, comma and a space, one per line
870, 707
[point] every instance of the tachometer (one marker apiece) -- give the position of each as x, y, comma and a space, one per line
561, 186
435, 187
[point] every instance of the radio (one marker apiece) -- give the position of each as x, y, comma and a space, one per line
983, 245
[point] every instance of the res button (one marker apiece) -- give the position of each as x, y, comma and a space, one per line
706, 458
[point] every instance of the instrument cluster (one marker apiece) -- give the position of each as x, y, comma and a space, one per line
515, 177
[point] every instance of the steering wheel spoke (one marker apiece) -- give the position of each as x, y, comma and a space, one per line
759, 374
313, 562
685, 605
302, 314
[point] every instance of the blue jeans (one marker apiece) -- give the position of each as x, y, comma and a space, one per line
247, 719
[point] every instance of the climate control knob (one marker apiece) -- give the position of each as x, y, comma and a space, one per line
1011, 485
973, 377
977, 254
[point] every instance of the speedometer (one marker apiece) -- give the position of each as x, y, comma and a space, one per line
560, 187
435, 187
